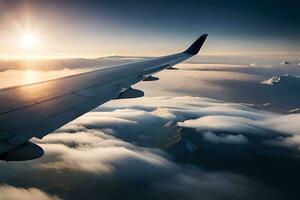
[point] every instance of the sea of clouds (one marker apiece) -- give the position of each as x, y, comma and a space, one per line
129, 146
171, 143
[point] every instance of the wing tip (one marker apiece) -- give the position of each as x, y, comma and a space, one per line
196, 46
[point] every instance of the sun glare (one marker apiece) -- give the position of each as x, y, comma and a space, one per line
30, 76
29, 40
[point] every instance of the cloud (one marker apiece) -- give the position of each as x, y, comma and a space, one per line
231, 124
157, 148
231, 84
107, 156
90, 143
216, 122
287, 124
132, 163
94, 152
12, 193
228, 139
115, 159
166, 115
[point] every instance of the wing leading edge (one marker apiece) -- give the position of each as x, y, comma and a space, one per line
38, 109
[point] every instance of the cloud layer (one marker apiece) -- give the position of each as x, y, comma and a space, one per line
13, 193
171, 147
137, 147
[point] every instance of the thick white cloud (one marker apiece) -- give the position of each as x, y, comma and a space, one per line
13, 193
156, 119
285, 123
93, 151
232, 122
90, 143
119, 145
108, 158
223, 123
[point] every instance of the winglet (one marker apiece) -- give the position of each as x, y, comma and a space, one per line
196, 46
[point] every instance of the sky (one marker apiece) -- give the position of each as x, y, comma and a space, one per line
42, 28
221, 125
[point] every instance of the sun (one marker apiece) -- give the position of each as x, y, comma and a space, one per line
29, 40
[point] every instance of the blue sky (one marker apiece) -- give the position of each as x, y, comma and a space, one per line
99, 28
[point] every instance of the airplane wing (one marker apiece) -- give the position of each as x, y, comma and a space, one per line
37, 109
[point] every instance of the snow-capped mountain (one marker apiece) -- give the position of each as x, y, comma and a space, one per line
285, 80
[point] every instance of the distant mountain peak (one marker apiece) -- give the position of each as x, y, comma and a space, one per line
286, 80
285, 63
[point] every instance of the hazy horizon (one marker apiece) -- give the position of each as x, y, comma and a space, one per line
43, 29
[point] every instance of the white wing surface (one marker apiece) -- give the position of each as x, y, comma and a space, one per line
38, 109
